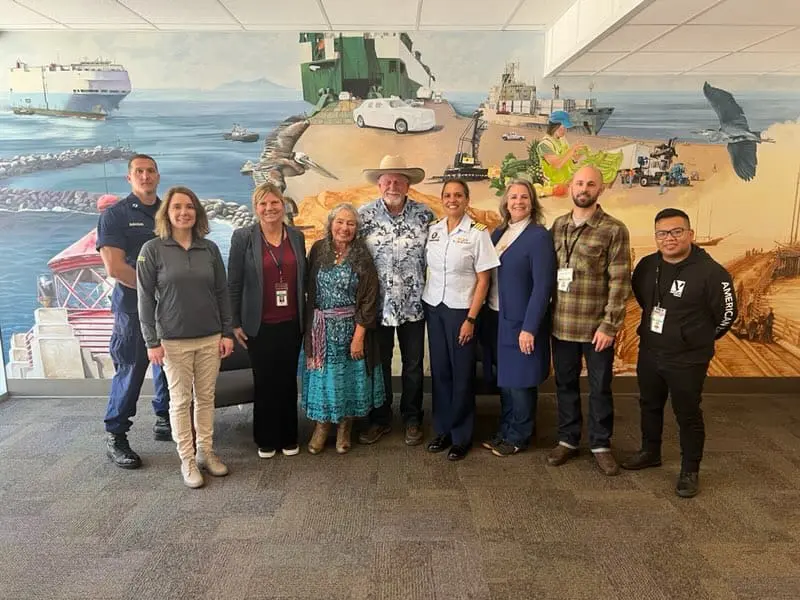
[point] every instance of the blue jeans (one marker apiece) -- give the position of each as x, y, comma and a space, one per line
567, 362
129, 354
517, 414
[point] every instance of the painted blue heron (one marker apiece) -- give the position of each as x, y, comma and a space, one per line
278, 160
733, 130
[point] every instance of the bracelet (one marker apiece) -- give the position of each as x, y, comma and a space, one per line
470, 320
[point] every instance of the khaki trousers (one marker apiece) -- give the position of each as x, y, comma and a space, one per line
192, 364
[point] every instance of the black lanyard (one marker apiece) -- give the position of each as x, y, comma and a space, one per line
278, 262
569, 249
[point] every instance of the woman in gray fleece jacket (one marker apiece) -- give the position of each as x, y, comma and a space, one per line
185, 317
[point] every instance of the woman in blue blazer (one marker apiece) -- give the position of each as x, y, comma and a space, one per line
518, 310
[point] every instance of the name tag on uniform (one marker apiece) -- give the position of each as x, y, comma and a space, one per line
461, 240
564, 278
281, 294
657, 319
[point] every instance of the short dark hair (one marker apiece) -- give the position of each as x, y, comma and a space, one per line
143, 156
667, 213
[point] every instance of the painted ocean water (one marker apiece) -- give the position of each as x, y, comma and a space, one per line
185, 136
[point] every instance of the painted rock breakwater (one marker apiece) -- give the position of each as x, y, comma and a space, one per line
15, 199
31, 163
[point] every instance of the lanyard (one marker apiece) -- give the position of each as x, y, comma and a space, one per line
278, 262
570, 248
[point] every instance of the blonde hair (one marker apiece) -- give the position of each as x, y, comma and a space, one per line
265, 189
163, 227
537, 214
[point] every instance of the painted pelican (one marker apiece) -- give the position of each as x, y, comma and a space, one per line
278, 160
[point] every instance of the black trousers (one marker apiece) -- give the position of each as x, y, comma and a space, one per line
274, 353
684, 385
412, 350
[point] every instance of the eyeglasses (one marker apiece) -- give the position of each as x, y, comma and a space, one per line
676, 233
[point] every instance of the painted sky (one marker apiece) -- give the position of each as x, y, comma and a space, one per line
467, 61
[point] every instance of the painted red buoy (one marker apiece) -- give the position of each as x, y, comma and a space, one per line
105, 201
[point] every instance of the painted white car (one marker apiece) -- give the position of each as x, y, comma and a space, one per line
394, 114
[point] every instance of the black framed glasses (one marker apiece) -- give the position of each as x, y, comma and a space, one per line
676, 233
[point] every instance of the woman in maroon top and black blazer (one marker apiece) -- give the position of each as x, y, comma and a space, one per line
266, 279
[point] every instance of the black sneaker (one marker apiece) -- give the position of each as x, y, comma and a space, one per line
162, 430
119, 451
688, 484
505, 448
492, 442
373, 433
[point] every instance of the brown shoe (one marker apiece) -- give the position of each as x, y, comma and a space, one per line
413, 435
561, 454
318, 438
373, 433
343, 433
606, 463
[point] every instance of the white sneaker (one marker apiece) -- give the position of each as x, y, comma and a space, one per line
293, 451
206, 459
191, 474
266, 452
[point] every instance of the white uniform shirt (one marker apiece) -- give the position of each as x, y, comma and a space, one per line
454, 259
510, 235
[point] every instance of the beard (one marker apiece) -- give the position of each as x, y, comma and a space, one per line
584, 200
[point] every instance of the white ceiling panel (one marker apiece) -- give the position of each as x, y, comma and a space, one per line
642, 62
786, 42
142, 26
86, 12
539, 12
750, 62
12, 14
467, 12
630, 37
595, 61
671, 13
753, 12
198, 11
710, 38
378, 12
302, 13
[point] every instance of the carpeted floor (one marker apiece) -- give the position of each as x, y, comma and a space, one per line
388, 521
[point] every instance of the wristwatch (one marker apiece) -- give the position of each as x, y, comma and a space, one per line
470, 320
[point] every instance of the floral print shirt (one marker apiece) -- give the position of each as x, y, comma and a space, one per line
398, 246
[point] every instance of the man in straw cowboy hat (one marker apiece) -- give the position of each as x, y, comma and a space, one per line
395, 229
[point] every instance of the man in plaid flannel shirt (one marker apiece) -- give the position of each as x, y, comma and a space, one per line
594, 282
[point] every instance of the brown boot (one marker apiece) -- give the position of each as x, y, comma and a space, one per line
561, 454
343, 434
319, 437
606, 463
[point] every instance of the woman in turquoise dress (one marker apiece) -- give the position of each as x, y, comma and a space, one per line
340, 381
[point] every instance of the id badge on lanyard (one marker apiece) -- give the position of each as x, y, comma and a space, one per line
281, 294
564, 278
657, 319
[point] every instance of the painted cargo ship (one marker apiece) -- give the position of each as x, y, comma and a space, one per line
516, 104
371, 65
89, 89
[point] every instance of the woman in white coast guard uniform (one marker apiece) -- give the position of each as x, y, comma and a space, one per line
460, 258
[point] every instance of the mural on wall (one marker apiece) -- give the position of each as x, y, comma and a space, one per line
308, 111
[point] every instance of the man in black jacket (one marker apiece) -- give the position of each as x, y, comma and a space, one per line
688, 302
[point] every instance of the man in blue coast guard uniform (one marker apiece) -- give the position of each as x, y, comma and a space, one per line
121, 232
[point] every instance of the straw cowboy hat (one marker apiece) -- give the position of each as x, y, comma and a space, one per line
395, 164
